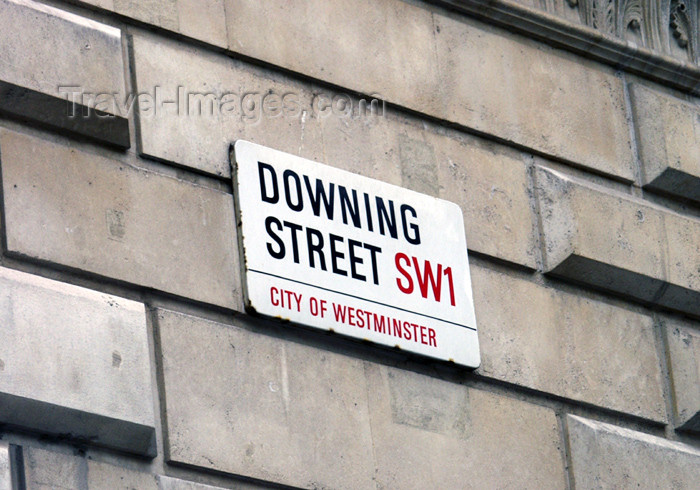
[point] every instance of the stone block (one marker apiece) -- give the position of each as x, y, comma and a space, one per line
84, 211
83, 53
567, 345
294, 415
491, 185
389, 49
496, 83
683, 262
58, 339
47, 470
5, 470
668, 139
168, 483
107, 476
451, 68
247, 404
203, 102
607, 456
204, 21
618, 243
162, 13
684, 362
429, 433
83, 63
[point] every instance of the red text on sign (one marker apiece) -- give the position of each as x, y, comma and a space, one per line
285, 299
427, 276
395, 327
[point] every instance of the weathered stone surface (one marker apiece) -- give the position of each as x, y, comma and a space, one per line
162, 13
47, 470
579, 105
486, 80
668, 137
684, 360
82, 53
265, 408
389, 49
596, 226
683, 276
490, 184
168, 483
107, 476
617, 243
606, 456
200, 20
429, 433
216, 100
205, 21
57, 340
37, 78
103, 216
487, 180
290, 414
567, 345
5, 474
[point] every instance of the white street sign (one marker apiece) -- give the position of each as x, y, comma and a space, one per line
337, 251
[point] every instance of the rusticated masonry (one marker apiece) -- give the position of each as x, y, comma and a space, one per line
566, 131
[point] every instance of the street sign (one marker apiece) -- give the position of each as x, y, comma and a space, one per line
337, 251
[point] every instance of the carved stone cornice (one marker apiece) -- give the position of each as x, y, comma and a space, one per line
657, 39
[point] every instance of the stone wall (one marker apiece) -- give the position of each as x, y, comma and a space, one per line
571, 143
